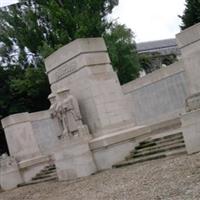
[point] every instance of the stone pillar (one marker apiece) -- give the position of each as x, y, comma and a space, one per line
84, 67
23, 144
189, 43
20, 137
73, 158
10, 176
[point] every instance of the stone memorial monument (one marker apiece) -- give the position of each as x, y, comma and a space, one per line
93, 122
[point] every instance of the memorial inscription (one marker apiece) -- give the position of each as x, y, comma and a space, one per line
65, 70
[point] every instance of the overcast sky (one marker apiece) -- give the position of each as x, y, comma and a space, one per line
149, 19
7, 2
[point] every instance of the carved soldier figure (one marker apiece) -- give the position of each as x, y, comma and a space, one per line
54, 113
70, 112
52, 99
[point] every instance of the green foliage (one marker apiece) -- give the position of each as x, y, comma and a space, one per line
32, 30
23, 90
122, 50
153, 61
39, 27
145, 63
191, 14
30, 90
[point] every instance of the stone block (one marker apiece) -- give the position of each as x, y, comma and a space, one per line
73, 159
20, 136
72, 50
10, 175
191, 131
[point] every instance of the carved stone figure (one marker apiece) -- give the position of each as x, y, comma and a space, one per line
52, 109
55, 114
70, 112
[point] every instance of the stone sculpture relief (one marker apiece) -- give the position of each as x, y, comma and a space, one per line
66, 110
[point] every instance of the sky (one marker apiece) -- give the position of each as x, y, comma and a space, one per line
148, 19
7, 2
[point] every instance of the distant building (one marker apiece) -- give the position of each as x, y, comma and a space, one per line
157, 54
164, 47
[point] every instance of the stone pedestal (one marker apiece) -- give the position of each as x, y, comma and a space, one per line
10, 176
189, 43
31, 139
73, 158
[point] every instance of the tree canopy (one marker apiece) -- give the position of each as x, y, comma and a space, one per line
191, 14
30, 31
33, 29
122, 50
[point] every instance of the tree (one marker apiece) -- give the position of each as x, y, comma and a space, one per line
33, 29
122, 50
191, 14
153, 61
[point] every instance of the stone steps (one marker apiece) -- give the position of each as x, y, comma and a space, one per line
178, 141
47, 174
43, 176
154, 142
154, 149
53, 178
150, 157
159, 150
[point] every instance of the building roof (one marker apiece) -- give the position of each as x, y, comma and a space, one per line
157, 46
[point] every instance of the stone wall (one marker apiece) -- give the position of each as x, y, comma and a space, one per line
30, 134
158, 96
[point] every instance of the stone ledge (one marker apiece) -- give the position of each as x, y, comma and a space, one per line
36, 116
34, 161
24, 117
107, 140
73, 49
15, 119
131, 134
153, 77
188, 36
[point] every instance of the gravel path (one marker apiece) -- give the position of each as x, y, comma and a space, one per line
176, 178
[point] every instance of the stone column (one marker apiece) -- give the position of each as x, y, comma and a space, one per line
189, 43
84, 67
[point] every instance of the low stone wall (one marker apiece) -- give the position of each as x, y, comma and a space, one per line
30, 134
158, 96
46, 131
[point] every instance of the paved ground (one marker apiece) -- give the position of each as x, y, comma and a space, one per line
175, 178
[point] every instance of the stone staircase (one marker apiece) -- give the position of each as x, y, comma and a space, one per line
47, 174
155, 148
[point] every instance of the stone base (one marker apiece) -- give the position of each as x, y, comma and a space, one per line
9, 174
73, 158
193, 102
110, 149
191, 131
29, 168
